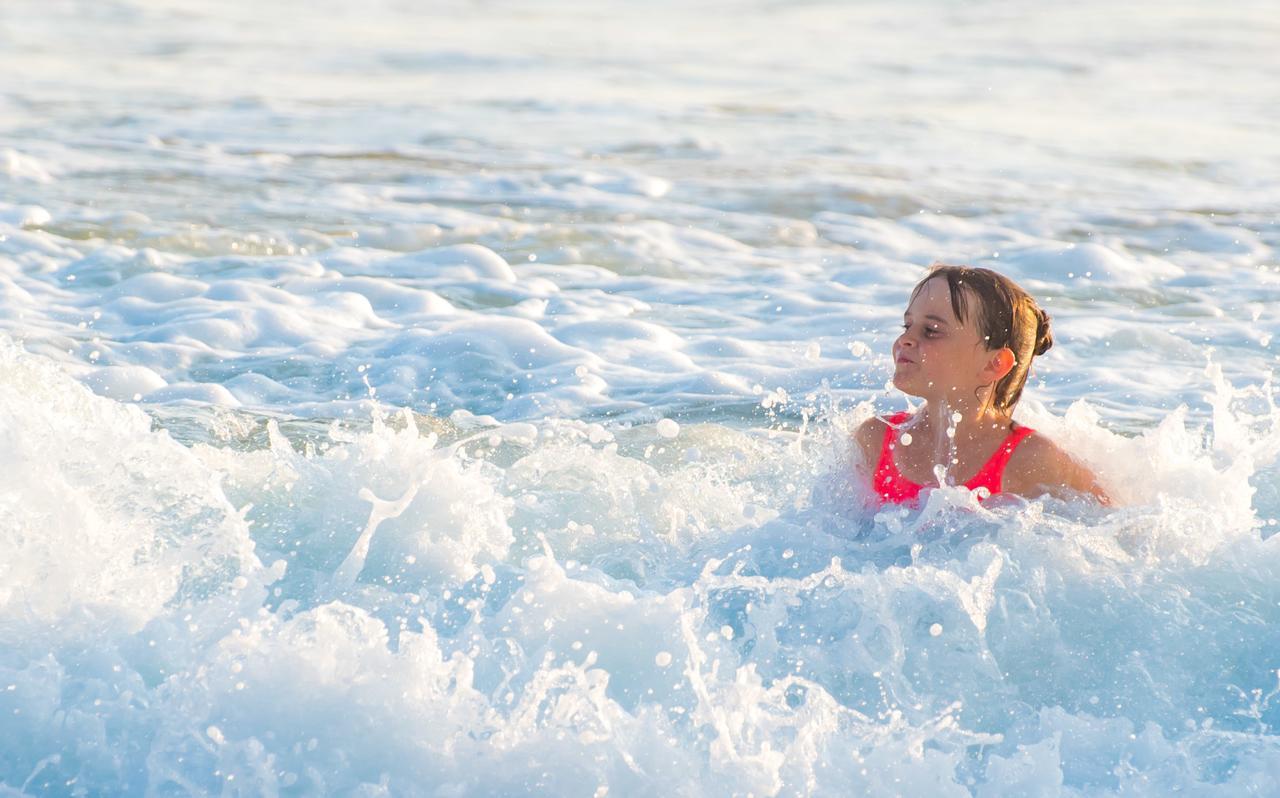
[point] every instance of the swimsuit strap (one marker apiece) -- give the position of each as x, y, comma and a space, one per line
892, 486
991, 475
889, 483
890, 435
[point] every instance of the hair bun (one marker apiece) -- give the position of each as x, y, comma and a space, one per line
1044, 335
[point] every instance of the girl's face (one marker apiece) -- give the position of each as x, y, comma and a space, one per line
937, 356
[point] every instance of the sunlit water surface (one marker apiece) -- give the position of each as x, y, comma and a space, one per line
452, 399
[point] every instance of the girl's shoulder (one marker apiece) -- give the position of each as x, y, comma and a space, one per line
1036, 452
870, 436
873, 429
1039, 465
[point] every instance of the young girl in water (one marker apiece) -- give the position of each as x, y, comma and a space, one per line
968, 338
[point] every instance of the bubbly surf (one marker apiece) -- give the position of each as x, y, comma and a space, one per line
462, 408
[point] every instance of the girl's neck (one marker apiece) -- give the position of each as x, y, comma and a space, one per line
951, 425
970, 417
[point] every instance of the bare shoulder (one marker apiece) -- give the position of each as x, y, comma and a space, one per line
869, 435
1039, 466
1038, 452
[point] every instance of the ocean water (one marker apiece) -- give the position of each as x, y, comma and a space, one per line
453, 399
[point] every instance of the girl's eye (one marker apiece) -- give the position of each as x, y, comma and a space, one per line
929, 332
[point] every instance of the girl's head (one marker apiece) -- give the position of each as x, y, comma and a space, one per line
969, 333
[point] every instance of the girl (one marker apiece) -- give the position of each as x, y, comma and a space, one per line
967, 342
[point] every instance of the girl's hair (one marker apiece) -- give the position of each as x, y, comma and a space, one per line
1005, 315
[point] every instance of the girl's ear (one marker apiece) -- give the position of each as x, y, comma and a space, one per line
1000, 363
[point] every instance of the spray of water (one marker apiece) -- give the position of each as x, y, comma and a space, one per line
546, 609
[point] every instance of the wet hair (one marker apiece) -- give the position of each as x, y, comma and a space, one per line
1005, 315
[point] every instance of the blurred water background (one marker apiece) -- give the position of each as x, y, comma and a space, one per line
453, 398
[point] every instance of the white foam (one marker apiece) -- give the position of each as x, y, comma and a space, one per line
24, 215
101, 516
233, 563
123, 382
19, 166
461, 262
1087, 263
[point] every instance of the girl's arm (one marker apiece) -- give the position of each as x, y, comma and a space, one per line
869, 436
1039, 466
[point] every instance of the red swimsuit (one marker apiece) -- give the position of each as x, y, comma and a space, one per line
893, 488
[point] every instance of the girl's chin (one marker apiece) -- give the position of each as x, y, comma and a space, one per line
907, 385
